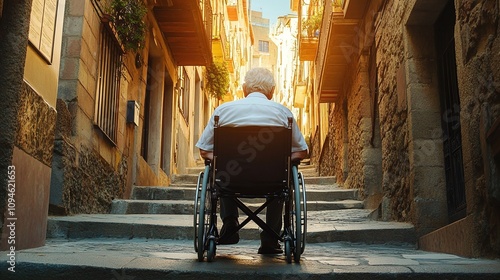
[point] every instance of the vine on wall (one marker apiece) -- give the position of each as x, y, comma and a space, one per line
217, 79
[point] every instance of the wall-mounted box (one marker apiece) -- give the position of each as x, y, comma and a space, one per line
133, 111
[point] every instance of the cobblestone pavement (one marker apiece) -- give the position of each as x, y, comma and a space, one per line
168, 259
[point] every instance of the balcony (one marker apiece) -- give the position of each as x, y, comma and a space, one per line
308, 48
230, 63
354, 9
220, 45
336, 47
186, 26
232, 10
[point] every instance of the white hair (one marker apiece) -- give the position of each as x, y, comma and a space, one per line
259, 80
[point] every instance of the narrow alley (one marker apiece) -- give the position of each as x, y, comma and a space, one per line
392, 105
342, 242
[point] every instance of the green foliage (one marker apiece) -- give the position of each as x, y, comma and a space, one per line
128, 20
313, 23
217, 79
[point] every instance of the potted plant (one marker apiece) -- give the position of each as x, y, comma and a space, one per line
127, 17
217, 79
313, 23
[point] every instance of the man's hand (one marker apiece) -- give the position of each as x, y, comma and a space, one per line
206, 154
299, 155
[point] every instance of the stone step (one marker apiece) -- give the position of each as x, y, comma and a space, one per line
317, 180
140, 258
306, 169
323, 226
188, 192
177, 192
123, 206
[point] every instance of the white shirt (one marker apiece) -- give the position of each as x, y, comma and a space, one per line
255, 109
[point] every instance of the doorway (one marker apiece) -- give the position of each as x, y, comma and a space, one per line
450, 113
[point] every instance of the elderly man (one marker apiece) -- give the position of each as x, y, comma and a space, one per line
256, 108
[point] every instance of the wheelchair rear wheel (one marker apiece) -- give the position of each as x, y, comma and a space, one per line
197, 210
299, 217
303, 211
202, 215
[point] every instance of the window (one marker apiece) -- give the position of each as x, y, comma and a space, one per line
263, 46
183, 90
108, 85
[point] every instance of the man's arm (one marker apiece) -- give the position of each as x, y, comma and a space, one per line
299, 155
206, 154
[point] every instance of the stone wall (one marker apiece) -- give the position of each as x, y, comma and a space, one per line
338, 135
32, 160
478, 27
315, 150
397, 161
89, 183
355, 156
88, 169
37, 122
82, 181
393, 120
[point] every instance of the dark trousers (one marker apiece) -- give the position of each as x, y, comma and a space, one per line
274, 216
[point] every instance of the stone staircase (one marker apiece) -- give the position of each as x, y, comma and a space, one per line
334, 214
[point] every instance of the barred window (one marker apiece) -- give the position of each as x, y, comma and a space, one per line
108, 84
184, 89
263, 46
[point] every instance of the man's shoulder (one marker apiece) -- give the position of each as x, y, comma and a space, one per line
236, 105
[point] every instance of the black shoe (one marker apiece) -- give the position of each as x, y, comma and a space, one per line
229, 225
270, 250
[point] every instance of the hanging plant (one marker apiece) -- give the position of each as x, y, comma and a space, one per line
217, 79
127, 17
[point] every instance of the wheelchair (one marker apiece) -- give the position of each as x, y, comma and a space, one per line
251, 162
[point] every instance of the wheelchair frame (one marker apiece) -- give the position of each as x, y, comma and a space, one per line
287, 184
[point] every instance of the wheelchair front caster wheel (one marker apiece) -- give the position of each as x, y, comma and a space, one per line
211, 250
288, 251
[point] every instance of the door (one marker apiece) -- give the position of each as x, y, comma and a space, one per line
450, 113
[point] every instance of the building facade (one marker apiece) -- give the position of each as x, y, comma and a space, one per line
125, 117
97, 115
410, 92
264, 50
28, 92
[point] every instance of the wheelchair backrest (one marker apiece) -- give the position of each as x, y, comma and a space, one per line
252, 159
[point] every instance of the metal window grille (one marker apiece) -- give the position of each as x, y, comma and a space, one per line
108, 84
184, 88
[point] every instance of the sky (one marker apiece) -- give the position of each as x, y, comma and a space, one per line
271, 9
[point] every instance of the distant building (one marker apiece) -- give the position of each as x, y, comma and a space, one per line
264, 51
284, 35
